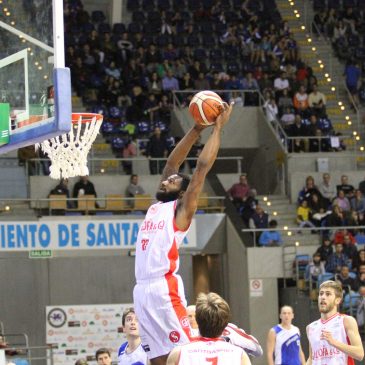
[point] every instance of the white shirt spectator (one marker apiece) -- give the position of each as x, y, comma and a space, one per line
281, 84
271, 110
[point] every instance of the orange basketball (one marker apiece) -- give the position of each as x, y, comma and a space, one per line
205, 107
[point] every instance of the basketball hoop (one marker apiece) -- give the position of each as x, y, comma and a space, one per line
68, 152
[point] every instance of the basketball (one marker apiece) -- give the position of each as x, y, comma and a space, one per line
205, 107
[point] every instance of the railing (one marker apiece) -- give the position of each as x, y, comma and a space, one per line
42, 206
32, 354
100, 166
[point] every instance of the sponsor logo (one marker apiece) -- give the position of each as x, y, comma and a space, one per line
150, 225
69, 352
57, 317
325, 352
184, 322
146, 348
174, 336
74, 324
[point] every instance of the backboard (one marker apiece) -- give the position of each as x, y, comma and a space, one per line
35, 86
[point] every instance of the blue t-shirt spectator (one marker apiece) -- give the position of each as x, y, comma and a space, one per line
270, 238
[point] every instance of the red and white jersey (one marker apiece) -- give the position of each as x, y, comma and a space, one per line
322, 352
158, 242
208, 351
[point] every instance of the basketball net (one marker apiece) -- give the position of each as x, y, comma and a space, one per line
68, 152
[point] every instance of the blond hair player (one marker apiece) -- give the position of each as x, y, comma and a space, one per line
334, 339
212, 315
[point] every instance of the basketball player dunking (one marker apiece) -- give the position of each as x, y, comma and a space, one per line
159, 298
334, 339
212, 314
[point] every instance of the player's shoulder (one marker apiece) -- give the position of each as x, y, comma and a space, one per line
348, 320
313, 324
122, 348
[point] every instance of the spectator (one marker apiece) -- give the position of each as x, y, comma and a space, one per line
201, 83
84, 187
238, 192
317, 102
26, 155
300, 101
187, 83
271, 110
348, 283
326, 249
134, 188
156, 148
169, 82
327, 188
131, 352
336, 218
154, 84
249, 206
304, 215
259, 219
61, 188
358, 260
296, 131
357, 203
129, 151
285, 101
280, 84
318, 209
360, 311
336, 260
345, 186
309, 189
103, 356
349, 247
271, 238
287, 119
314, 268
342, 202
353, 77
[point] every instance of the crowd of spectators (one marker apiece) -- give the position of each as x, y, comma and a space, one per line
128, 71
342, 22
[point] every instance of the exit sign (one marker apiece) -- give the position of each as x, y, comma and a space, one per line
40, 254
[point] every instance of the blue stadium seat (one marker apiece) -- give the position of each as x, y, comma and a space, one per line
138, 16
133, 5
333, 4
163, 4
143, 127
193, 40
324, 277
209, 40
148, 5
119, 28
161, 125
206, 27
97, 16
134, 28
104, 28
194, 5
216, 55
233, 68
200, 54
107, 128
163, 40
207, 4
179, 40
88, 27
231, 53
170, 142
117, 144
216, 67
350, 302
114, 112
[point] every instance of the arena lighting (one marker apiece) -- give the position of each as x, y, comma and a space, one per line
357, 138
297, 15
295, 11
285, 228
8, 13
7, 208
314, 49
362, 148
45, 77
329, 79
297, 243
302, 27
309, 40
12, 23
319, 61
289, 233
268, 204
333, 88
343, 107
340, 103
102, 171
326, 75
275, 213
347, 117
264, 198
349, 122
354, 133
321, 65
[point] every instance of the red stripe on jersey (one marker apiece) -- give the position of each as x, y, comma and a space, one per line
242, 333
173, 286
350, 360
328, 319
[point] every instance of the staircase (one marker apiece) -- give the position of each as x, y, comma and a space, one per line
316, 51
279, 208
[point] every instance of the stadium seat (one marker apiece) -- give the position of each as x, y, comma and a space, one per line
200, 54
193, 5
117, 144
216, 67
207, 4
220, 28
163, 4
138, 16
319, 5
193, 40
333, 4
161, 125
163, 40
216, 55
178, 40
119, 28
97, 16
143, 128
133, 5
148, 5
209, 41
233, 68
350, 302
324, 277
134, 28
104, 28
88, 27
206, 28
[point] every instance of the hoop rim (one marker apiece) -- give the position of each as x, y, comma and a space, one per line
88, 117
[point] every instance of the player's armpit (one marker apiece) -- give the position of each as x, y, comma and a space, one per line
238, 337
174, 357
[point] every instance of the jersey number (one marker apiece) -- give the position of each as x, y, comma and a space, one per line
212, 360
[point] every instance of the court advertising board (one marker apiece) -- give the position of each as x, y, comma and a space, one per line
77, 331
81, 235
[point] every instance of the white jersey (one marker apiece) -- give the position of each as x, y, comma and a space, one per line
158, 242
287, 345
210, 351
322, 352
137, 357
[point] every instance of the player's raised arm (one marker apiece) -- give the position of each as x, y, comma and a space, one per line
189, 203
355, 349
181, 151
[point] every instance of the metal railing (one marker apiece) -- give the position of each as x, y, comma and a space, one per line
32, 354
104, 165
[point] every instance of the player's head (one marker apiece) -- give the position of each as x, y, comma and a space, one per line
130, 323
212, 314
103, 356
330, 296
286, 314
191, 309
173, 187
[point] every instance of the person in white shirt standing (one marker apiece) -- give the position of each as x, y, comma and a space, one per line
131, 352
212, 314
334, 339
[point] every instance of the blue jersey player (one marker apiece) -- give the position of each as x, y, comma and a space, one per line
283, 341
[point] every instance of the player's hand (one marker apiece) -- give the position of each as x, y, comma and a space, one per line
327, 336
223, 118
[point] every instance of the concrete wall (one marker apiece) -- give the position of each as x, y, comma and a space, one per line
297, 179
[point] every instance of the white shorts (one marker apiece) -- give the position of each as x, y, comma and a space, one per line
160, 306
